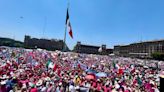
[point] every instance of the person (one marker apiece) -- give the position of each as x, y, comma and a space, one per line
33, 89
72, 88
59, 87
66, 74
3, 86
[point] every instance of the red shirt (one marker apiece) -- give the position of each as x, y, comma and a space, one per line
121, 71
55, 67
34, 90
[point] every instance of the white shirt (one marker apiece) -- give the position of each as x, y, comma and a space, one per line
156, 90
43, 89
72, 88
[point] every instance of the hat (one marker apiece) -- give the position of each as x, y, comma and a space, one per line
157, 80
39, 83
4, 77
3, 83
31, 84
150, 75
14, 77
137, 71
152, 82
162, 74
93, 66
145, 66
76, 76
77, 87
47, 79
24, 86
117, 86
60, 84
65, 78
52, 83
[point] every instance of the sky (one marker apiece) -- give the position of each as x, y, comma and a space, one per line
94, 22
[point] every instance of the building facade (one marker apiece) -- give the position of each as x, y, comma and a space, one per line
43, 43
141, 49
90, 49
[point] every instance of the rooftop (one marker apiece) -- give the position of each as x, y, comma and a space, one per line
143, 42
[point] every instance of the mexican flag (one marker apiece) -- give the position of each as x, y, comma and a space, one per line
68, 23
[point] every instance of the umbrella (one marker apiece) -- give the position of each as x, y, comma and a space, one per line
90, 77
145, 66
91, 71
101, 74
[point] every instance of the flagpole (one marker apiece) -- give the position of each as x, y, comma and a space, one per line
64, 43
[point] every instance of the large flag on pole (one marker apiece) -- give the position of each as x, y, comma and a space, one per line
68, 23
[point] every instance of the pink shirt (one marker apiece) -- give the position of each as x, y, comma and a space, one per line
94, 84
34, 90
98, 87
3, 89
106, 89
49, 89
126, 90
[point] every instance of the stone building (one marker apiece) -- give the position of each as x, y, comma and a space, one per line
141, 49
52, 44
90, 49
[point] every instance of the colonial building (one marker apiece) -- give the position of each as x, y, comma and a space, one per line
141, 49
43, 43
90, 49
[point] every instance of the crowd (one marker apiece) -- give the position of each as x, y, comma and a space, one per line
27, 70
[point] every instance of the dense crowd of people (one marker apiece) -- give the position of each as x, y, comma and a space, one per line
27, 70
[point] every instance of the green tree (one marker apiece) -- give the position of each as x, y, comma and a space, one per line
158, 56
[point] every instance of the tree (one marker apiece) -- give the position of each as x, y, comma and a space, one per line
158, 56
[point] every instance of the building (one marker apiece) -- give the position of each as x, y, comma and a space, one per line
109, 51
141, 49
90, 49
43, 43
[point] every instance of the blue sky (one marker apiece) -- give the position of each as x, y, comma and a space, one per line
95, 22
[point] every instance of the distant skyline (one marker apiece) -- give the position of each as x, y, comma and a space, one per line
94, 22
